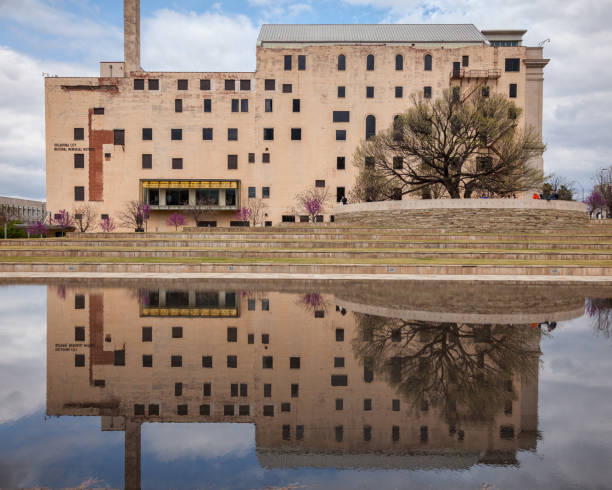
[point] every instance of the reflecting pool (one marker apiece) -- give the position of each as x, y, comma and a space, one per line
309, 385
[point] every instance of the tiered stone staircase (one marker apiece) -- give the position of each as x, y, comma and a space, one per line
313, 248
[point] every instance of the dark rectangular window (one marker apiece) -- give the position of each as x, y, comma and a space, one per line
138, 83
147, 360
244, 391
319, 183
244, 410
339, 335
395, 433
340, 134
339, 380
287, 88
295, 390
369, 162
340, 163
79, 360
267, 390
153, 409
232, 134
512, 91
427, 92
153, 84
424, 433
207, 105
296, 105
232, 162
268, 134
294, 363
513, 64
207, 134
79, 193
301, 62
207, 361
340, 193
251, 157
119, 358
399, 92
205, 84
367, 433
268, 410
341, 116
182, 409
268, 105
270, 84
395, 405
118, 137
285, 407
296, 134
147, 334
183, 84
251, 338
147, 134
252, 193
244, 105
228, 410
398, 163
79, 134
338, 362
485, 91
178, 105
319, 313
232, 334
457, 93
339, 404
265, 158
235, 105
339, 433
287, 62
367, 404
341, 92
177, 332
232, 361
176, 361
205, 409
79, 160
245, 84
207, 389
251, 304
177, 163
79, 334
267, 362
465, 61
176, 134
265, 192
234, 389
147, 160
230, 84
370, 92
99, 111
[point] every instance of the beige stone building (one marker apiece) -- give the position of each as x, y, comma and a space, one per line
208, 142
324, 386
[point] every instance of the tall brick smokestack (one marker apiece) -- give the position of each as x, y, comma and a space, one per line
131, 36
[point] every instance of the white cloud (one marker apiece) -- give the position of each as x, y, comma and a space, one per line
170, 442
210, 41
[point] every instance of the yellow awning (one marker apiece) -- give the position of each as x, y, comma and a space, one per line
190, 184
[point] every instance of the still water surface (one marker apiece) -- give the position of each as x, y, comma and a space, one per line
232, 386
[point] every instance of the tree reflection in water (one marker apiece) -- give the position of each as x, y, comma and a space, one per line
464, 370
600, 310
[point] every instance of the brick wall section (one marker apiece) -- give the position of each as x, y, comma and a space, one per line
474, 215
97, 138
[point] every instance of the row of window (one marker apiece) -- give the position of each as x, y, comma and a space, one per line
183, 84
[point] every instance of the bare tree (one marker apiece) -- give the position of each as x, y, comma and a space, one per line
84, 217
203, 207
311, 202
257, 209
135, 214
603, 186
466, 147
7, 214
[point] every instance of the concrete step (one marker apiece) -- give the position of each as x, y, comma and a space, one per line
305, 244
314, 254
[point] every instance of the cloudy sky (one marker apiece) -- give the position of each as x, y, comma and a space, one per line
70, 37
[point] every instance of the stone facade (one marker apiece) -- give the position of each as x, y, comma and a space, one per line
96, 150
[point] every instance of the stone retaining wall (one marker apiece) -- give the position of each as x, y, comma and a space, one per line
481, 215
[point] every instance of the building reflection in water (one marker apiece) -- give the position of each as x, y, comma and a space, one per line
326, 383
